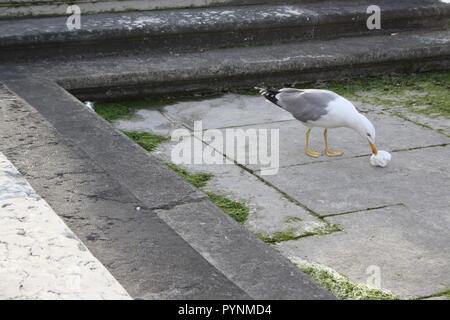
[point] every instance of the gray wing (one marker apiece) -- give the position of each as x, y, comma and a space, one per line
305, 105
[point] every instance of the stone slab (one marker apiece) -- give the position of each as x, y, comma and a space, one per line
147, 121
226, 245
408, 245
270, 211
436, 122
393, 133
231, 110
415, 177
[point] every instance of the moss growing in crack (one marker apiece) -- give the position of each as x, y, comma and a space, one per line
112, 111
330, 228
291, 234
425, 93
341, 286
121, 109
237, 210
279, 236
124, 110
292, 219
444, 293
146, 140
197, 179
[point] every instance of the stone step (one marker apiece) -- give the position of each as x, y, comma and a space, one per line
243, 67
38, 8
200, 29
220, 69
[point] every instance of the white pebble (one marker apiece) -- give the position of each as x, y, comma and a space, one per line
381, 159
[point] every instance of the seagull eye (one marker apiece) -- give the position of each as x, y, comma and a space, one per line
369, 135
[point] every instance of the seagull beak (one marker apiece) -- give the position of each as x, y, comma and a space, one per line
373, 147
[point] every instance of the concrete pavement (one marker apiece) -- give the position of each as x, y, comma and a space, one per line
108, 190
394, 218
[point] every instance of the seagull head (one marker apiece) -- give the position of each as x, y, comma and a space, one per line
365, 128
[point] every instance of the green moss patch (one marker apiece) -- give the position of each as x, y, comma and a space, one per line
237, 210
292, 219
291, 234
146, 140
120, 110
341, 286
278, 236
124, 110
425, 93
197, 179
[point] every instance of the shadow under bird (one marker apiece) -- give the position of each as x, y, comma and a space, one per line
325, 109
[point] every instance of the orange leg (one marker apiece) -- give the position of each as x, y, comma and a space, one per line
307, 151
329, 152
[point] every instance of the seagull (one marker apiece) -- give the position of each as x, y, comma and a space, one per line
324, 109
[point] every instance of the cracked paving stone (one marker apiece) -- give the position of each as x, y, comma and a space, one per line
270, 211
392, 134
415, 177
226, 111
407, 244
148, 121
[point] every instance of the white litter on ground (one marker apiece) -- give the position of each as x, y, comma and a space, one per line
381, 159
89, 104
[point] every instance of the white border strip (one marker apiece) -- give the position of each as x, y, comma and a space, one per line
40, 257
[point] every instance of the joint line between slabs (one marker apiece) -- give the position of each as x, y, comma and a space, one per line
361, 210
284, 194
